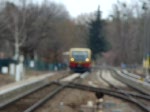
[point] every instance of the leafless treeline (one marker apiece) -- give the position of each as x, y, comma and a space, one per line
45, 30
128, 32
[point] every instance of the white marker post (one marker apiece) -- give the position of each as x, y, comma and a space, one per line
12, 69
32, 64
22, 66
4, 70
18, 73
20, 69
55, 68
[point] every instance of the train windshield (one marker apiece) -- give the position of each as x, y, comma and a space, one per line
79, 55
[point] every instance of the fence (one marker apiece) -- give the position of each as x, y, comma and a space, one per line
6, 62
44, 66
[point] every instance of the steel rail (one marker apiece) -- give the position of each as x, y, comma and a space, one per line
45, 99
145, 97
49, 96
111, 85
107, 92
3, 105
140, 92
129, 84
29, 92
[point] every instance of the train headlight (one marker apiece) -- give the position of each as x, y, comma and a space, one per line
87, 60
72, 59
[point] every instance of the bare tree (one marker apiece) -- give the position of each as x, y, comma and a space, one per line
14, 20
125, 33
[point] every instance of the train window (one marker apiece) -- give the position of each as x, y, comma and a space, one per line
80, 55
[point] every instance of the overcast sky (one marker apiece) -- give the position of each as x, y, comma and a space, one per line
77, 7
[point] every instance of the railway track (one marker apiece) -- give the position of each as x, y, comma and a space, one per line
134, 83
140, 100
123, 91
133, 75
34, 99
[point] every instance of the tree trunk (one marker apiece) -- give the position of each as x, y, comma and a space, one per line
17, 44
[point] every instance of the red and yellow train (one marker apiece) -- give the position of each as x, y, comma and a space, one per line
80, 59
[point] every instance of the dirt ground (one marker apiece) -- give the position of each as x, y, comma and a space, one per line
30, 72
6, 79
68, 100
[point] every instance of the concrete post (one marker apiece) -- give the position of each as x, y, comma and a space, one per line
4, 70
18, 73
12, 69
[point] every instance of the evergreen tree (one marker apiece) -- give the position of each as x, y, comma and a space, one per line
97, 42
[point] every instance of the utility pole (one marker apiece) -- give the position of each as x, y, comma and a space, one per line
146, 41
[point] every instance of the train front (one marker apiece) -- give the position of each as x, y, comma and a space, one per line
80, 60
